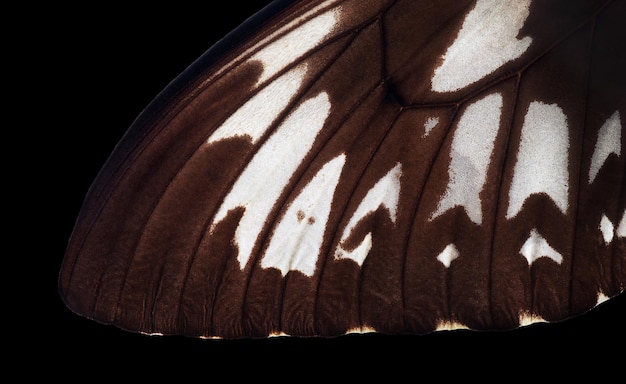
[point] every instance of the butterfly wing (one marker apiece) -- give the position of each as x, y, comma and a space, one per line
397, 166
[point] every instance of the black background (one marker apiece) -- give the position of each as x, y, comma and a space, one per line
89, 73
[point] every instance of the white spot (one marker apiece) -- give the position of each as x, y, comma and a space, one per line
261, 183
254, 118
621, 227
472, 146
431, 123
542, 161
295, 44
536, 246
606, 227
609, 141
297, 240
385, 193
448, 254
487, 40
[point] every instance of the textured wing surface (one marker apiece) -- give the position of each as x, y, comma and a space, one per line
396, 166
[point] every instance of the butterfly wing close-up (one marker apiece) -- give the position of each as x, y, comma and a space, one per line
391, 166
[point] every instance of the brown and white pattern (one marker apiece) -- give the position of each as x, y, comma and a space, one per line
353, 166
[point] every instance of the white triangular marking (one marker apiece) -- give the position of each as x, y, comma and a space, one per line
448, 255
472, 145
267, 174
385, 193
487, 40
606, 227
609, 141
542, 160
536, 246
297, 240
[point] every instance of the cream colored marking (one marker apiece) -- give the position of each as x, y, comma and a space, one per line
606, 227
449, 254
157, 334
261, 183
542, 160
254, 118
211, 337
430, 123
296, 243
447, 325
487, 40
363, 329
278, 334
527, 318
289, 48
385, 193
621, 227
472, 146
601, 298
536, 246
609, 141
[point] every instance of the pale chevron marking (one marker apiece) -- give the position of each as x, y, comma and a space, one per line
385, 193
256, 116
287, 49
606, 228
472, 146
449, 254
259, 186
430, 123
487, 40
297, 240
536, 246
609, 141
542, 161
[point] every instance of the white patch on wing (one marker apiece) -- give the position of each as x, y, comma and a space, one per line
621, 227
601, 298
256, 116
527, 318
472, 146
362, 329
385, 193
297, 240
448, 255
447, 325
542, 160
289, 48
609, 141
430, 123
536, 246
606, 227
487, 40
261, 183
